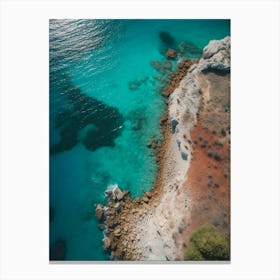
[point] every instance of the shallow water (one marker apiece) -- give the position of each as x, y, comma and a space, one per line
105, 106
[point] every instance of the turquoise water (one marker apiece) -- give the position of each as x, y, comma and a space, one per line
105, 106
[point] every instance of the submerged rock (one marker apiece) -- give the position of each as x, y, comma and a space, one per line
101, 226
153, 144
167, 65
58, 250
99, 212
171, 53
166, 38
156, 64
188, 48
134, 85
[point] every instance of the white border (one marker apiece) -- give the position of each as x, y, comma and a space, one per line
24, 138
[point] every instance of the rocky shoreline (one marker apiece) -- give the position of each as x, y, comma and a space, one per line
156, 226
120, 206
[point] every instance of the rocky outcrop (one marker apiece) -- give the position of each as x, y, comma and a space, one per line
113, 224
117, 217
171, 53
118, 194
107, 243
115, 193
99, 212
216, 56
216, 46
184, 101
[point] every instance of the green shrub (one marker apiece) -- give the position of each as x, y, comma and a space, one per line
192, 254
207, 243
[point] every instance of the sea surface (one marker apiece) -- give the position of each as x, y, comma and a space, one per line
105, 104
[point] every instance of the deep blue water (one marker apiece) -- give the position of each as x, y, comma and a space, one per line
105, 106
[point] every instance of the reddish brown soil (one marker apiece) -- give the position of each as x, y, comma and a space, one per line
208, 181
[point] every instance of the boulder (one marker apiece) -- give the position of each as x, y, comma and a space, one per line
146, 199
171, 53
99, 212
107, 243
117, 232
149, 194
118, 193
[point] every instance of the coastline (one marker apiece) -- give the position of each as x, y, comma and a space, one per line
157, 226
131, 216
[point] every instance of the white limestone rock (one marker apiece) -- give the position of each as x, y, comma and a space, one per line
216, 56
215, 46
